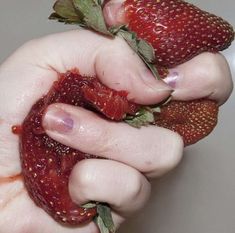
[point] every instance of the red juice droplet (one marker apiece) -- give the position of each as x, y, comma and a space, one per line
16, 129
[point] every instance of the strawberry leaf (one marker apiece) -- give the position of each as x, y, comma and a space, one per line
92, 15
146, 115
66, 12
146, 50
104, 218
151, 66
66, 9
89, 205
100, 223
104, 212
143, 117
141, 47
130, 38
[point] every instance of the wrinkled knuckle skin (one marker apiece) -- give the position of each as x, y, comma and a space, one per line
79, 178
135, 188
168, 161
103, 141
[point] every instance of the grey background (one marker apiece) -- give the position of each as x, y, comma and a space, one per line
199, 195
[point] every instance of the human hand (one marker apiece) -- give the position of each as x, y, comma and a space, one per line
38, 62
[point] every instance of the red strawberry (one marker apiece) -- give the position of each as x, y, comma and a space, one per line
113, 104
47, 164
177, 30
193, 120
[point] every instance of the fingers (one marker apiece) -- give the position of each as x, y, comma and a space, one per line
123, 187
151, 150
207, 75
31, 70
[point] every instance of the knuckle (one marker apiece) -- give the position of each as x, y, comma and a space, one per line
136, 186
104, 141
91, 135
85, 176
175, 153
80, 177
169, 158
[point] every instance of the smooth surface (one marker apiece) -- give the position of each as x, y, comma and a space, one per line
199, 195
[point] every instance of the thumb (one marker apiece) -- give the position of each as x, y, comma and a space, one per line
118, 67
114, 12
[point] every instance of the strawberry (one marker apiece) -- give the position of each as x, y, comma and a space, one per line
47, 164
177, 30
193, 120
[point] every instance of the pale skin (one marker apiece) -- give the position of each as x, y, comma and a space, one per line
122, 181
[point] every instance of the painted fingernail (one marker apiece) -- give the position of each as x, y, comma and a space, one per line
58, 120
155, 84
171, 79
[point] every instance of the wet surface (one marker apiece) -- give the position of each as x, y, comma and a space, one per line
11, 195
10, 179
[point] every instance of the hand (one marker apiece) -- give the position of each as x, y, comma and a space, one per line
148, 152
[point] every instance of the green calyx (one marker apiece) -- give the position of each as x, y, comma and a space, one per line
65, 11
103, 218
84, 13
145, 116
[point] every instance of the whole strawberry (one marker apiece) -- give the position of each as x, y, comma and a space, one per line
176, 29
193, 120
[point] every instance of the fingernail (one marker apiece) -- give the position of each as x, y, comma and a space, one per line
58, 120
172, 79
114, 13
155, 84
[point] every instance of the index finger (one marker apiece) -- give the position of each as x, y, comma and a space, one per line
152, 150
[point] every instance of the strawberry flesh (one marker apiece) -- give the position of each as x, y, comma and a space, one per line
47, 164
177, 30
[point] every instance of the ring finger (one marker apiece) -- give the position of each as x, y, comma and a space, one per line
123, 187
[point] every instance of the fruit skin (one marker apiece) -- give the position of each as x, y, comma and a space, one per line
177, 30
193, 120
47, 164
